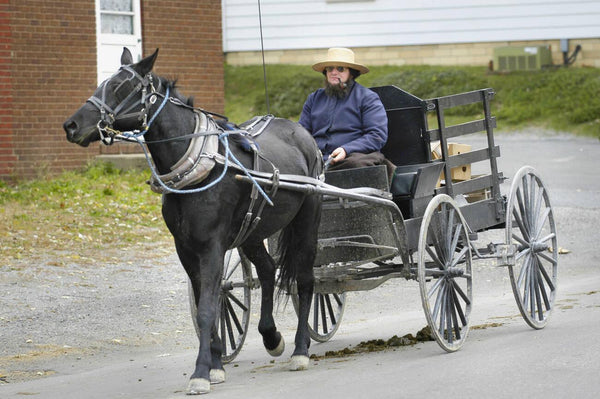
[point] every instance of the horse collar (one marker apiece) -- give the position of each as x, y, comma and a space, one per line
197, 162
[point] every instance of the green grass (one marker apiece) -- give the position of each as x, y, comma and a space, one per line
562, 99
83, 213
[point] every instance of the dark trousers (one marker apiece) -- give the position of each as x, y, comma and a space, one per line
360, 160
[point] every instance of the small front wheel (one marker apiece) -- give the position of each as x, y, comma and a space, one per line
234, 304
325, 314
444, 272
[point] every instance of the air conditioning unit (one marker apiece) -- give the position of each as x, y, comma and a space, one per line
522, 58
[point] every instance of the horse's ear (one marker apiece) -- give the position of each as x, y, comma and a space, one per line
146, 64
126, 57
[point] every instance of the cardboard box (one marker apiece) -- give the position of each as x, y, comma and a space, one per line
478, 195
459, 173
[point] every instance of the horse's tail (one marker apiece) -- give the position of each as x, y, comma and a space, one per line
297, 244
288, 270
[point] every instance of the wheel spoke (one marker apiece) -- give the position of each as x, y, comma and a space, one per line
338, 300
434, 287
223, 329
438, 300
229, 328
449, 336
330, 309
547, 278
520, 240
461, 314
455, 238
435, 258
454, 305
323, 313
435, 229
459, 257
316, 312
462, 294
532, 286
443, 311
542, 287
524, 252
234, 317
520, 214
449, 236
521, 224
523, 271
237, 301
539, 216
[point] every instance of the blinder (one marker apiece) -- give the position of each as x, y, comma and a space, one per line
108, 115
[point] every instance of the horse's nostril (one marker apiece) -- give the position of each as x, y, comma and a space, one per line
70, 127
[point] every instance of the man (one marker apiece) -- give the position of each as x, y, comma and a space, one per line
347, 120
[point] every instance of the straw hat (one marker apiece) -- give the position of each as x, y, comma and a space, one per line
340, 56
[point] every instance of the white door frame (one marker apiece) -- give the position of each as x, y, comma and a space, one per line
109, 46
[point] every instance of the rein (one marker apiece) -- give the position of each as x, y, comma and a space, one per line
108, 135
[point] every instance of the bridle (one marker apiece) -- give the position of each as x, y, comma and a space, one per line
108, 115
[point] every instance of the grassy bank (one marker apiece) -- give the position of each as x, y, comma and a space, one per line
79, 217
561, 99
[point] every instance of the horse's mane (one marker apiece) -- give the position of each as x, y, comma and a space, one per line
172, 85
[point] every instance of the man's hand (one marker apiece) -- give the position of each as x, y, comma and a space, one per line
337, 155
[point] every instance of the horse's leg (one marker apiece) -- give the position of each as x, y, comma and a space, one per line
301, 252
204, 267
217, 372
265, 269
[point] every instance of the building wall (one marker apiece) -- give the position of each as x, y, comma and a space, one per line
8, 158
48, 69
52, 52
312, 24
430, 54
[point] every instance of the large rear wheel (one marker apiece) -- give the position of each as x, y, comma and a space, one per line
530, 228
444, 272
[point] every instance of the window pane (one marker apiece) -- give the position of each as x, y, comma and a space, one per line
117, 24
116, 5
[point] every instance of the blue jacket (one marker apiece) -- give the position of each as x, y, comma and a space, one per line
357, 123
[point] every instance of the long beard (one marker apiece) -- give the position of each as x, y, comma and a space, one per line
337, 90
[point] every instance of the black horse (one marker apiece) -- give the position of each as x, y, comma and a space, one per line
231, 213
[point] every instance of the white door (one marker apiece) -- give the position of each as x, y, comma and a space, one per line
118, 25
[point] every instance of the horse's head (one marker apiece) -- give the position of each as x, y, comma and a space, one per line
118, 104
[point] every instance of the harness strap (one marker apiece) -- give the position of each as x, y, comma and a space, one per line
249, 224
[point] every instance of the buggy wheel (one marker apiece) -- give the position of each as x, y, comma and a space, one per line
530, 228
234, 304
444, 272
325, 315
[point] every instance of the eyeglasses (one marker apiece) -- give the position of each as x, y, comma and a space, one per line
338, 68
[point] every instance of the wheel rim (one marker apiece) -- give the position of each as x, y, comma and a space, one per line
445, 273
531, 229
325, 315
234, 304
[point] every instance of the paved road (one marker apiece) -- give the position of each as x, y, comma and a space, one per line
503, 360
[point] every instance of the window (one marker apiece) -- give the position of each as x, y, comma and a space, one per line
118, 25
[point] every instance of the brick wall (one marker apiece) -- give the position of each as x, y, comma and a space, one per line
7, 156
48, 69
434, 54
53, 69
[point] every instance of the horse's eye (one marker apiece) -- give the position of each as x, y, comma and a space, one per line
121, 90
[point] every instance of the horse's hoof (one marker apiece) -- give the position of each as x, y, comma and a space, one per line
299, 362
217, 376
278, 350
198, 386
